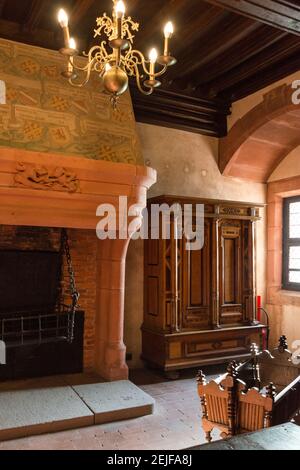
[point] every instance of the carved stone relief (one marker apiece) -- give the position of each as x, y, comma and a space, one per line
40, 177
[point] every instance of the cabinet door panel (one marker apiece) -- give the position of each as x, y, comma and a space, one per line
197, 284
231, 279
230, 252
236, 271
153, 285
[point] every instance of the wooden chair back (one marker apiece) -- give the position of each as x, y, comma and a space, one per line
218, 402
235, 406
232, 408
254, 410
215, 402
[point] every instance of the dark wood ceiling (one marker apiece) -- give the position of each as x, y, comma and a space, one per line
226, 49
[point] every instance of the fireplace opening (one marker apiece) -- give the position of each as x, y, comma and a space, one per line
43, 335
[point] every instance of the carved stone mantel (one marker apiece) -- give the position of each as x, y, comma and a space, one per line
99, 182
54, 206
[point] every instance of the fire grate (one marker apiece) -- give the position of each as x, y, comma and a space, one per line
24, 328
25, 278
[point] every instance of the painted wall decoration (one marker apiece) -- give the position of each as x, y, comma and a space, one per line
44, 113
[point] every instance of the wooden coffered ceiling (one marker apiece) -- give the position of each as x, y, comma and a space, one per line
226, 49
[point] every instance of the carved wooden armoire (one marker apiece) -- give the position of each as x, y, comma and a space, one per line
199, 306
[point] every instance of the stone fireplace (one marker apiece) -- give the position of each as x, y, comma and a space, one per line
41, 193
63, 152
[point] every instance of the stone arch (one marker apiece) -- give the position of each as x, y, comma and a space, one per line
262, 138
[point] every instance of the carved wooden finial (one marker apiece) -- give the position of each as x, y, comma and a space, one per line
201, 379
271, 390
232, 369
283, 345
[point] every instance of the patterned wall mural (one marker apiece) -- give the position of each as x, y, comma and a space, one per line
44, 113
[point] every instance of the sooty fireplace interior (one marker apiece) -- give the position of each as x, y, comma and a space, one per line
43, 336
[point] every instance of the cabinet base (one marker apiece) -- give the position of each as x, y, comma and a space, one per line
171, 352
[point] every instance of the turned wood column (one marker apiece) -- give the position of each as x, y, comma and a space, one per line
253, 262
216, 274
110, 349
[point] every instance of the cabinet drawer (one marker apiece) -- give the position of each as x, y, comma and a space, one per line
196, 348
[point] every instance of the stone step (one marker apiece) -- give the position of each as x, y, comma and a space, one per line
113, 401
51, 409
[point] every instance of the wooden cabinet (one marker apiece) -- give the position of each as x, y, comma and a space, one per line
199, 305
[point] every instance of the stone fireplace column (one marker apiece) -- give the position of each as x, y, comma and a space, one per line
110, 349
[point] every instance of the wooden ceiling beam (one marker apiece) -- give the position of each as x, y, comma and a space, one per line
238, 54
259, 81
2, 5
37, 8
232, 32
280, 51
39, 37
168, 11
170, 109
196, 28
80, 9
277, 13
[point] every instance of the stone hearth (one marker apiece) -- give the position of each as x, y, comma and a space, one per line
55, 404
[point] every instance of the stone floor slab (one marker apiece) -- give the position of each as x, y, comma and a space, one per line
158, 431
113, 401
41, 410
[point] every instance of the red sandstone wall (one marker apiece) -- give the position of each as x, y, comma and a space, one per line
83, 245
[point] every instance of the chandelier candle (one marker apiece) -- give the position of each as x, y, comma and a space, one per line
64, 23
120, 12
153, 58
169, 30
117, 51
167, 59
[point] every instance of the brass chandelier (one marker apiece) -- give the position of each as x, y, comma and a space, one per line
115, 59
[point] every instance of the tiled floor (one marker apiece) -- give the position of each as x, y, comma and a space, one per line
174, 425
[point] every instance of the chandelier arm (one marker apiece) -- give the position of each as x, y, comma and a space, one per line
138, 81
90, 59
159, 74
100, 70
87, 78
141, 56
